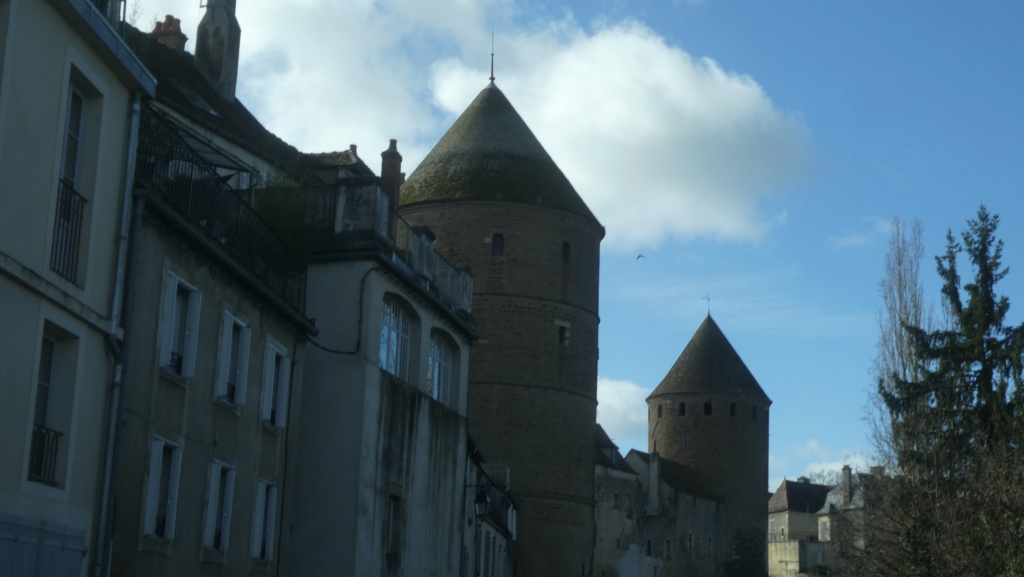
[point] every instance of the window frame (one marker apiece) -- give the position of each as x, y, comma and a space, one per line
442, 366
396, 326
239, 355
154, 489
264, 521
219, 506
170, 326
276, 386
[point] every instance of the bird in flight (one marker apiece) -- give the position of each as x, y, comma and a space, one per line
639, 256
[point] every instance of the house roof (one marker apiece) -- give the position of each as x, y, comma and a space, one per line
606, 453
834, 500
491, 154
181, 87
799, 497
709, 364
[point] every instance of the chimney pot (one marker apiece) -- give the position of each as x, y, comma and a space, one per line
847, 485
169, 33
391, 171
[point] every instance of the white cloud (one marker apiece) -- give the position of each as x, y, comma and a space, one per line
876, 229
660, 144
622, 411
673, 148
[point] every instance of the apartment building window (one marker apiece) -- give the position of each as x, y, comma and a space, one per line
219, 497
440, 370
67, 226
179, 326
264, 521
394, 339
233, 363
162, 489
52, 413
42, 466
277, 369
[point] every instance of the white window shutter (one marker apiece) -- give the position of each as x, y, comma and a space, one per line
242, 379
257, 519
282, 392
191, 334
224, 356
229, 496
156, 450
212, 497
167, 317
271, 516
268, 382
172, 493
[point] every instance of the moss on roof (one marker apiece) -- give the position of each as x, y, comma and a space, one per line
709, 364
491, 154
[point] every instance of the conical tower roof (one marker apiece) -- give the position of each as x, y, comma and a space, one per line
709, 364
491, 154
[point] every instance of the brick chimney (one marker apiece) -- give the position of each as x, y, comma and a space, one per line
391, 172
169, 33
217, 46
847, 485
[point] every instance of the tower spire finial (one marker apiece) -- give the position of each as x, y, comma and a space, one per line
492, 52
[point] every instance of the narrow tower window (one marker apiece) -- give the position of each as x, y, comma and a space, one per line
732, 410
659, 411
566, 252
682, 409
497, 244
753, 413
707, 408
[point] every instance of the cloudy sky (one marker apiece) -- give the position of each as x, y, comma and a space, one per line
754, 152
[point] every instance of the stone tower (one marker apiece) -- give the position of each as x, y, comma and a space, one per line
499, 204
710, 415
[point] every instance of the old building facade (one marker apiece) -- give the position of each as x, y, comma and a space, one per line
68, 89
499, 204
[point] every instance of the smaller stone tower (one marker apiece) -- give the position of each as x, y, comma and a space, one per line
710, 415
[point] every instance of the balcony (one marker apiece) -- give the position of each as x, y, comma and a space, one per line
67, 231
42, 462
180, 177
353, 219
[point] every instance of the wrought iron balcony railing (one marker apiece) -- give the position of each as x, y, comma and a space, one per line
67, 231
167, 165
42, 462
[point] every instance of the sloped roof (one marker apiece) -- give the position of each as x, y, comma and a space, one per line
709, 364
183, 88
799, 497
606, 453
491, 154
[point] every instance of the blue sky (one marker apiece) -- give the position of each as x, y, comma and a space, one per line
756, 151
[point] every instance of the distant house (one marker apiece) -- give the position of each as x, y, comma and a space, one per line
793, 546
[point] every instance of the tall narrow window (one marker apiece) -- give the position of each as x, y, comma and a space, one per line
264, 521
753, 413
394, 339
233, 360
707, 408
277, 370
217, 529
497, 244
440, 370
179, 326
732, 410
682, 409
42, 465
659, 411
67, 231
566, 252
162, 490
